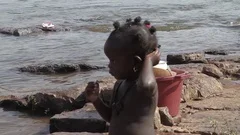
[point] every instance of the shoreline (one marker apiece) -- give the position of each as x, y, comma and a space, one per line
216, 71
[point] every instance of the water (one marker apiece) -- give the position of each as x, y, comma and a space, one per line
185, 26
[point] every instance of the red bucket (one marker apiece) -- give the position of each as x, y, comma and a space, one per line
169, 91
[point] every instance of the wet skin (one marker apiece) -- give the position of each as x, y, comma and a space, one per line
136, 114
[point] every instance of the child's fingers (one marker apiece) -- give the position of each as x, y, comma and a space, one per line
97, 84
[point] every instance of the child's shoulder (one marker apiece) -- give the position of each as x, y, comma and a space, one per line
117, 84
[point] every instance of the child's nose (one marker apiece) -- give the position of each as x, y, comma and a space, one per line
109, 65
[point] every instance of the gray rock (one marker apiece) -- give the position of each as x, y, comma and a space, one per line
216, 52
86, 119
157, 119
212, 70
46, 104
58, 101
26, 31
200, 86
29, 30
14, 103
229, 69
7, 31
166, 118
77, 133
58, 68
197, 57
212, 122
229, 58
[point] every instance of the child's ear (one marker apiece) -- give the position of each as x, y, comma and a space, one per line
137, 60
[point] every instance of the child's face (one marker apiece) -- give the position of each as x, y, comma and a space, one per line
121, 61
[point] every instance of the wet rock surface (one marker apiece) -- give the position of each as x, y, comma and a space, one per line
30, 30
77, 133
196, 57
211, 101
86, 119
216, 52
58, 68
56, 102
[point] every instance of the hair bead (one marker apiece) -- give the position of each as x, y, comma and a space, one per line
116, 25
138, 19
146, 22
152, 30
129, 20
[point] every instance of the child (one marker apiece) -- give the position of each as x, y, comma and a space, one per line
132, 51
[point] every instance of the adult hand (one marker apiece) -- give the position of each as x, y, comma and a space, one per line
92, 91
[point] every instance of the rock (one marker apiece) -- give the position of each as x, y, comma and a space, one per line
223, 103
58, 68
197, 57
212, 122
26, 31
85, 67
45, 104
29, 30
58, 101
216, 52
200, 86
173, 130
80, 101
227, 100
7, 31
191, 67
40, 104
77, 133
166, 118
229, 58
212, 70
86, 119
229, 69
157, 119
14, 103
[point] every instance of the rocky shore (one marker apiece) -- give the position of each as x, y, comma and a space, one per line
210, 101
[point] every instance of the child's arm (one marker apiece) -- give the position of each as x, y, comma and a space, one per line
146, 80
92, 94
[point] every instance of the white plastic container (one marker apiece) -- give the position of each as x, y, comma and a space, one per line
162, 70
162, 65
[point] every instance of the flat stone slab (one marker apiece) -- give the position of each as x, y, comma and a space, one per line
83, 120
184, 58
216, 103
207, 122
77, 133
229, 99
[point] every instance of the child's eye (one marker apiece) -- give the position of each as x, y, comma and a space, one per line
112, 61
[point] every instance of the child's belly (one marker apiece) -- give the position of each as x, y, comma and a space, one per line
126, 125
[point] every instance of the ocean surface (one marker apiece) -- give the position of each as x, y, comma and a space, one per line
184, 26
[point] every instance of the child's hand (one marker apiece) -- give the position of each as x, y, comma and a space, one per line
92, 91
154, 57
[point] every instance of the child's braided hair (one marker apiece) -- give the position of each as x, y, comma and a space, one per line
141, 37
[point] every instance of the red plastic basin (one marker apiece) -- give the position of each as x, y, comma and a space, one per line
169, 91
